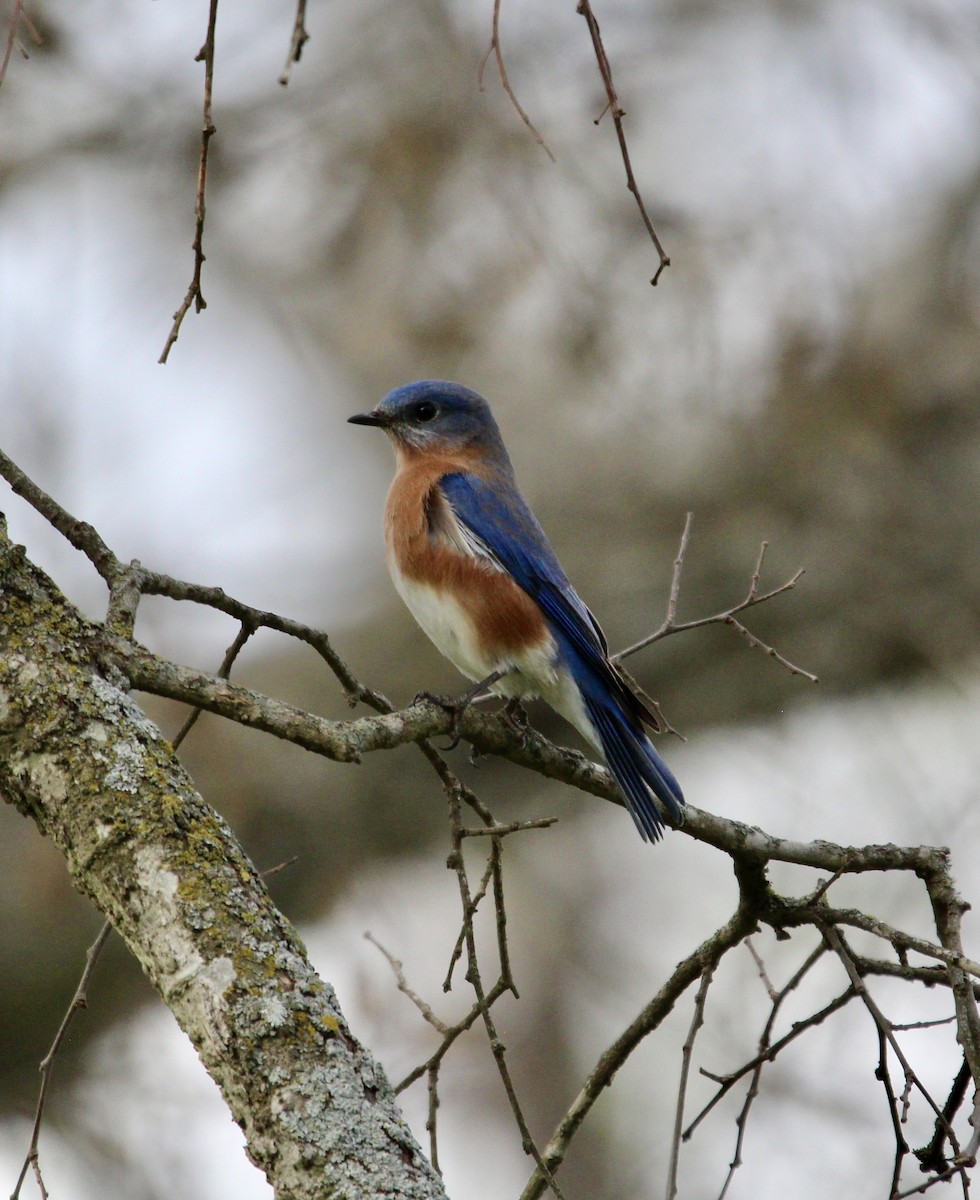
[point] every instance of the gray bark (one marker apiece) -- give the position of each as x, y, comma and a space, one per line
80, 758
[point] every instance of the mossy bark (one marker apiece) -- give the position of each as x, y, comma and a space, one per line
79, 757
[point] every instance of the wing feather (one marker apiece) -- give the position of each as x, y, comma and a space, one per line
499, 526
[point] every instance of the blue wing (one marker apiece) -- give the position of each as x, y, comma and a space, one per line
502, 527
507, 531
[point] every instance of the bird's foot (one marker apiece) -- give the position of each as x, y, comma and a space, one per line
455, 706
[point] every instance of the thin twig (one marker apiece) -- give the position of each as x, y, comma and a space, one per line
675, 582
942, 1177
753, 597
430, 1120
452, 1033
710, 952
18, 16
497, 52
224, 671
298, 40
471, 904
78, 1001
836, 943
79, 533
758, 644
500, 909
194, 294
514, 827
901, 1145
473, 977
768, 1050
286, 862
687, 1051
760, 966
765, 1047
585, 8
398, 968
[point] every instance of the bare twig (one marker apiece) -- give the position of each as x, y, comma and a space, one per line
497, 52
776, 998
194, 294
78, 1001
836, 943
452, 1033
708, 954
18, 16
671, 625
79, 533
298, 40
687, 1051
430, 1120
399, 971
760, 966
455, 863
473, 977
496, 831
585, 8
769, 1054
224, 671
897, 1119
286, 862
759, 644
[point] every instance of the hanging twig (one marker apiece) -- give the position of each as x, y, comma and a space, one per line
194, 294
616, 109
497, 52
297, 42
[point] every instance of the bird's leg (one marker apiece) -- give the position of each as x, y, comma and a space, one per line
457, 707
515, 716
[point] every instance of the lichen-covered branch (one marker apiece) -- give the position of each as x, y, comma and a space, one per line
79, 758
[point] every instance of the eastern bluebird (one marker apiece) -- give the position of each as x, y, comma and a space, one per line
479, 575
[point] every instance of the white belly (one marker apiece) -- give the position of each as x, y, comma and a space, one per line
530, 672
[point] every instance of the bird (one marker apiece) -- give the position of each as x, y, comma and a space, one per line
476, 570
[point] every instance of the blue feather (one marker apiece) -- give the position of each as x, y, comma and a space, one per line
505, 528
498, 516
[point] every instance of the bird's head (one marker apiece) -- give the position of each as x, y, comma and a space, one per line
436, 416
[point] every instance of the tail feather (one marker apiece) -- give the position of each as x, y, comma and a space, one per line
636, 766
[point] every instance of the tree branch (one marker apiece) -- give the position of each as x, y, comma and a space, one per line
97, 777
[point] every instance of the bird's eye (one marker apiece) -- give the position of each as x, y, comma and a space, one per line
424, 411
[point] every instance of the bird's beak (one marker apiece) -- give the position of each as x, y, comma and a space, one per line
382, 420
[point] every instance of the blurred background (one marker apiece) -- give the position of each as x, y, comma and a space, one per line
807, 372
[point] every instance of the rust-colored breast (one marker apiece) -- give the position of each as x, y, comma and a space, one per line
424, 544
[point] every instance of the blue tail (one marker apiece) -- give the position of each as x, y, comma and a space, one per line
617, 716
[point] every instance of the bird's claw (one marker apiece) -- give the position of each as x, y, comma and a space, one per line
454, 706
